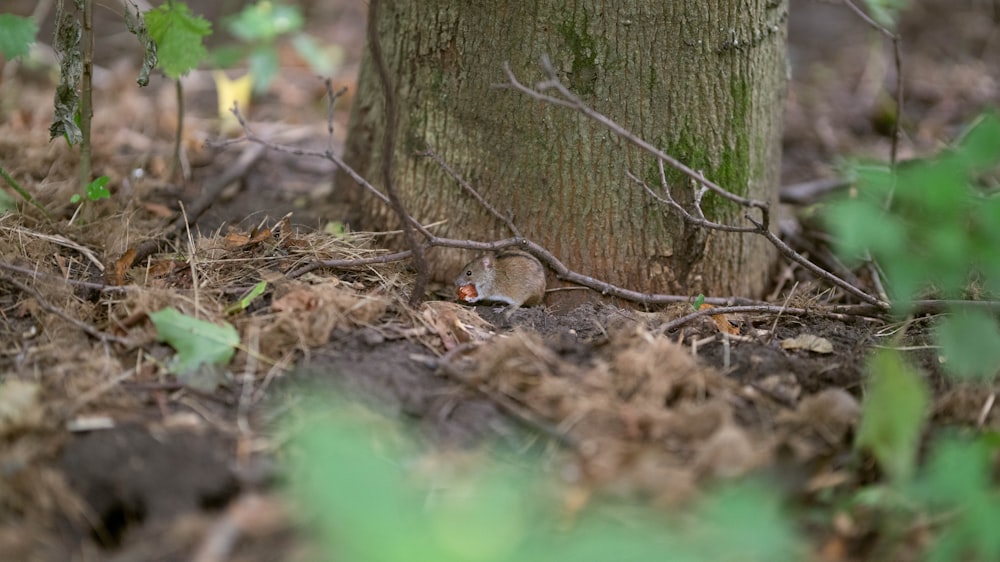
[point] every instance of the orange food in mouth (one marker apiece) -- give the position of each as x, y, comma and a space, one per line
467, 293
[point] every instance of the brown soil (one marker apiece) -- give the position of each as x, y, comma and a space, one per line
105, 456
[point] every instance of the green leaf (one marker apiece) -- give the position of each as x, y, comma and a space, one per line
263, 65
700, 300
980, 144
265, 21
16, 35
244, 302
321, 61
860, 226
357, 488
227, 56
893, 414
745, 523
97, 190
970, 344
197, 342
886, 12
957, 483
178, 34
7, 203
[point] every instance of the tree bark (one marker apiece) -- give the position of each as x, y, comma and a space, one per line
704, 80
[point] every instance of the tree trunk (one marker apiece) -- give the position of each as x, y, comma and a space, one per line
704, 80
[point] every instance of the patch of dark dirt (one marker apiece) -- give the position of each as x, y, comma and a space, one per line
399, 378
130, 477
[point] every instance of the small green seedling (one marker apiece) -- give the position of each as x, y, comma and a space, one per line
95, 190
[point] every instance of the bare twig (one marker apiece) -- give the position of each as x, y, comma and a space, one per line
668, 199
898, 60
757, 228
829, 312
250, 136
475, 194
798, 258
331, 98
388, 147
569, 99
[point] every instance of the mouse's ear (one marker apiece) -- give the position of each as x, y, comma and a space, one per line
487, 262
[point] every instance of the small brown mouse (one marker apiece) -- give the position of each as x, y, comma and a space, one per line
509, 276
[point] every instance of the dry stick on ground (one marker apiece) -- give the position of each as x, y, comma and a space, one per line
569, 99
388, 146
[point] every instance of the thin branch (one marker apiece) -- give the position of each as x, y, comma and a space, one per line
557, 266
750, 309
761, 226
898, 59
572, 101
250, 136
798, 258
475, 194
331, 98
388, 149
667, 199
869, 20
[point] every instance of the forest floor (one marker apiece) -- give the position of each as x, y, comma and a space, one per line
104, 456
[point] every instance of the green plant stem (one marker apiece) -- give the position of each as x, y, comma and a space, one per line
21, 191
176, 165
86, 100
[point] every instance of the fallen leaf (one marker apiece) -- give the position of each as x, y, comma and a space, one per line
722, 321
157, 209
296, 300
235, 240
122, 266
197, 342
232, 92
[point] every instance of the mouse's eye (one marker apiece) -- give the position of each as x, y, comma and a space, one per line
468, 273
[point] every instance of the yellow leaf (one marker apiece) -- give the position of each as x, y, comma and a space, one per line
232, 92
